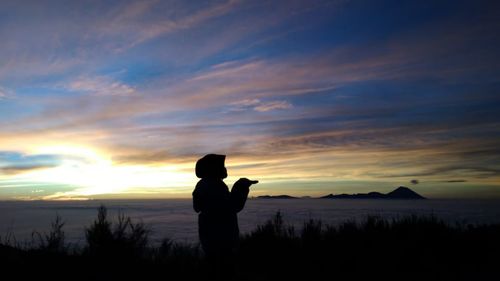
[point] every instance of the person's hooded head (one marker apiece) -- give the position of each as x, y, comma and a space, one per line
211, 166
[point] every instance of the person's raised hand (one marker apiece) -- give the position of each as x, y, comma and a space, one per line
244, 182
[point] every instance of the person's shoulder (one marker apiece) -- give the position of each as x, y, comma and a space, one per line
204, 184
210, 183
200, 184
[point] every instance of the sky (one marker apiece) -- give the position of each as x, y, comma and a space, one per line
118, 99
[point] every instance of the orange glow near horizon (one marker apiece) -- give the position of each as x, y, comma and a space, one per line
121, 101
91, 173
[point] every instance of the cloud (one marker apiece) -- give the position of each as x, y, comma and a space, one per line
100, 86
14, 170
145, 157
45, 44
5, 93
13, 162
64, 196
273, 105
136, 23
258, 105
246, 103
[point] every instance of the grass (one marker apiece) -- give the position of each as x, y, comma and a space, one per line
409, 248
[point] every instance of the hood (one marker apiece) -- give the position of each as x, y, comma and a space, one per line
211, 166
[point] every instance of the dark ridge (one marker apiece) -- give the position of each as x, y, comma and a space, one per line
401, 192
276, 197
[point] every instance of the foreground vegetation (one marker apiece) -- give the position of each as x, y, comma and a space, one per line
410, 248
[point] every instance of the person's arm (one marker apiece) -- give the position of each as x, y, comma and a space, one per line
239, 193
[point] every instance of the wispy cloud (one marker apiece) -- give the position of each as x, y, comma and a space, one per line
14, 162
2, 94
242, 104
258, 105
132, 20
273, 105
14, 170
5, 93
100, 86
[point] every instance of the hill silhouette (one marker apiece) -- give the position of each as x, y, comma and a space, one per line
276, 197
401, 192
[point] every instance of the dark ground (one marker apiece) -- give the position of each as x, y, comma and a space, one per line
411, 248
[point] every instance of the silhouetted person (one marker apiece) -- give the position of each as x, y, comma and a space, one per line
217, 208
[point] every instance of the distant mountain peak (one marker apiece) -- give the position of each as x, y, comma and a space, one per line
404, 192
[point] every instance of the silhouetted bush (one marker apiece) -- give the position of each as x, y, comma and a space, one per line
409, 248
54, 241
122, 240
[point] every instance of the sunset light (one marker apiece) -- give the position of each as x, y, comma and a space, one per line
92, 173
114, 100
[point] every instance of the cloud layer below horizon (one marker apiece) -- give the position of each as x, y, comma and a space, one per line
119, 99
